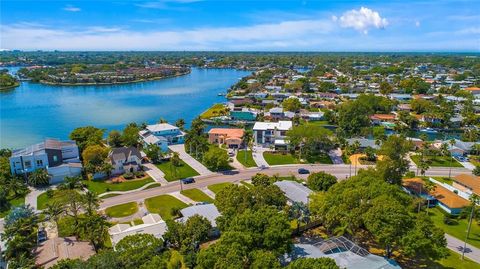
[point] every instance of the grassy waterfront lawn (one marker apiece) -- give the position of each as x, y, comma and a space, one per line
219, 186
438, 161
241, 158
214, 111
122, 210
182, 171
164, 205
278, 158
100, 186
197, 195
458, 229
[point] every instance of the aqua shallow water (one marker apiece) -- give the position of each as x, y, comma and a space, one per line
34, 111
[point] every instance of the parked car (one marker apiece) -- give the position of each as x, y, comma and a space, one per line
303, 171
41, 235
188, 180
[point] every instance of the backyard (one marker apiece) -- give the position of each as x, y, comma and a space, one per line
219, 186
182, 171
249, 162
101, 186
165, 205
437, 161
197, 195
458, 228
122, 210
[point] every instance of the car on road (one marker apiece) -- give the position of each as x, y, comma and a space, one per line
262, 167
303, 171
188, 180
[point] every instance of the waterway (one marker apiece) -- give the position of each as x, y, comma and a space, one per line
33, 111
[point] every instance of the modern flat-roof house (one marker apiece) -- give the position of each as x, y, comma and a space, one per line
59, 158
294, 191
271, 133
162, 135
152, 224
125, 160
231, 137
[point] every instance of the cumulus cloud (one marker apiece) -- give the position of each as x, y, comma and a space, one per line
361, 20
71, 8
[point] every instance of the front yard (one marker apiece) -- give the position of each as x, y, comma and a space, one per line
165, 205
197, 195
437, 161
182, 171
122, 210
102, 186
219, 186
279, 158
249, 162
458, 228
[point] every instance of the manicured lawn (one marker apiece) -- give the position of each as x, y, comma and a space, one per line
454, 260
458, 229
197, 195
100, 186
249, 162
215, 111
324, 158
219, 186
153, 186
182, 171
42, 201
122, 210
279, 158
163, 205
438, 161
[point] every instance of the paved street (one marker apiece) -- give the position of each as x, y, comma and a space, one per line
341, 171
200, 168
456, 245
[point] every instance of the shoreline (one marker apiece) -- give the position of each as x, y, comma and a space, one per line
112, 83
10, 87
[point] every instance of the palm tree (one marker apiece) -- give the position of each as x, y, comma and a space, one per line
53, 211
474, 199
174, 163
39, 177
180, 123
429, 187
71, 183
247, 140
91, 202
17, 186
95, 229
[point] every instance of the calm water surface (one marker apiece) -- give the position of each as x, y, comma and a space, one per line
33, 111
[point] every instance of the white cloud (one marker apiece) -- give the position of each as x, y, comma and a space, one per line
72, 8
469, 31
164, 4
417, 23
361, 20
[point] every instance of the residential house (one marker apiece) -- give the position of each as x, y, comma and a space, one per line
448, 200
243, 115
294, 191
378, 119
125, 160
208, 211
152, 224
231, 137
473, 90
469, 184
271, 133
363, 143
162, 134
50, 252
460, 148
59, 158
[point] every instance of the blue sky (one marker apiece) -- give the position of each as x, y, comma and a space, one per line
241, 25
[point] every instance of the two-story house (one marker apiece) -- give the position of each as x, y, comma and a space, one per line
59, 158
162, 135
125, 160
271, 133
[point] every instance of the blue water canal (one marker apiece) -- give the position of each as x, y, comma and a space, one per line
33, 111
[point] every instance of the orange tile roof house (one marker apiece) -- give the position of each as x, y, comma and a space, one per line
232, 137
468, 183
473, 90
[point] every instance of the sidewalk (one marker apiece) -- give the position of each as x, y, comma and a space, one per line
456, 245
155, 173
196, 165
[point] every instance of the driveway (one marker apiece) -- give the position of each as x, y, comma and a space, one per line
196, 165
468, 165
456, 245
155, 173
336, 156
257, 155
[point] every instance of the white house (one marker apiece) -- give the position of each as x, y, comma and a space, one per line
125, 160
268, 133
152, 224
162, 135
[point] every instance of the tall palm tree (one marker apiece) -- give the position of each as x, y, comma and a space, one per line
247, 140
91, 202
53, 211
39, 177
429, 187
71, 183
474, 199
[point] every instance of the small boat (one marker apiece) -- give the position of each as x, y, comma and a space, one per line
428, 130
221, 94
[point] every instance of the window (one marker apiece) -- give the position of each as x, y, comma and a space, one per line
55, 158
28, 164
39, 163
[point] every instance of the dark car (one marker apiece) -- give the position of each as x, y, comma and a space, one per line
303, 171
188, 180
41, 236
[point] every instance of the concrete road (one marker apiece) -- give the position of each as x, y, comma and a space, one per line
340, 171
456, 245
